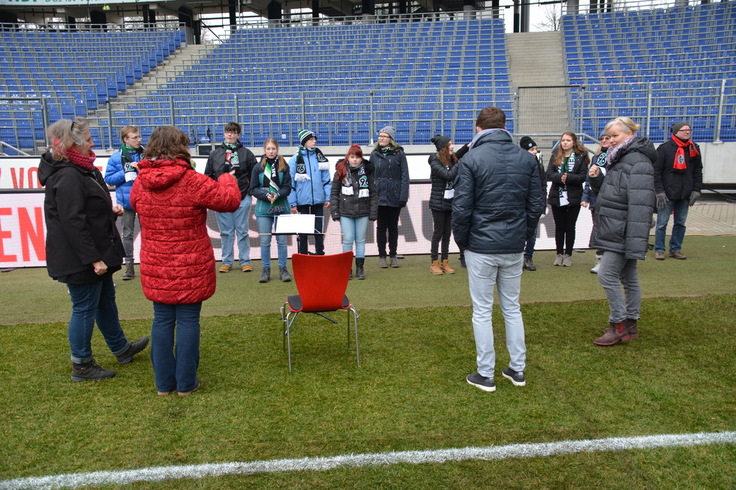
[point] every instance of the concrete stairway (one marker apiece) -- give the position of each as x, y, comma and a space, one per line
176, 64
536, 60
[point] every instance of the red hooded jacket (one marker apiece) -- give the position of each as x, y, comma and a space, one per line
171, 199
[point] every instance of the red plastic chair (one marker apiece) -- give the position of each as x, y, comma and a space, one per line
321, 281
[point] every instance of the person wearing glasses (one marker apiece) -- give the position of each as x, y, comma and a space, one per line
678, 180
392, 182
588, 200
121, 171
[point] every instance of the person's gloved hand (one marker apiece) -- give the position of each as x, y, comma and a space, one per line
662, 200
402, 204
694, 196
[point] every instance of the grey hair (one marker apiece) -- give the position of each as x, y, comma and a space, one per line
66, 133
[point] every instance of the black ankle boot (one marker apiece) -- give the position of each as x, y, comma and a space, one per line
359, 272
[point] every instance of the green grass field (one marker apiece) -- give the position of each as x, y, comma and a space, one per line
410, 393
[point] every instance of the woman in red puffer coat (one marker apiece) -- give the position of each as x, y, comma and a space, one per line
177, 261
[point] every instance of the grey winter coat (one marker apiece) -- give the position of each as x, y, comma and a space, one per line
625, 202
440, 175
498, 197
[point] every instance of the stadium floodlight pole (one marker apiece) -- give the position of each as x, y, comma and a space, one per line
373, 122
649, 106
719, 114
171, 110
109, 125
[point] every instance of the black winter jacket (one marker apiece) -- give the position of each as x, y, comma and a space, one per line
677, 184
575, 179
440, 175
80, 223
217, 166
352, 206
498, 197
391, 173
625, 202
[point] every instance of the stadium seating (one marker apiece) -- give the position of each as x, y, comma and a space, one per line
67, 74
332, 78
679, 57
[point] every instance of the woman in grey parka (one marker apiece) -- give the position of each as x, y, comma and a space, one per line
622, 219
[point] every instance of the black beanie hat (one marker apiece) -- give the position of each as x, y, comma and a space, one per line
440, 141
678, 126
527, 143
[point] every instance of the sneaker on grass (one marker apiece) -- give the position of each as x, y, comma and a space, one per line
481, 382
516, 377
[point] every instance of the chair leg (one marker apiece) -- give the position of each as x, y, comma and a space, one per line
288, 322
355, 326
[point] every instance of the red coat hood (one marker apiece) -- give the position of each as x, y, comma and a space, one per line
162, 173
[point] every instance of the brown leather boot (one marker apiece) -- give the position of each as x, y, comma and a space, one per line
615, 333
445, 266
630, 325
435, 268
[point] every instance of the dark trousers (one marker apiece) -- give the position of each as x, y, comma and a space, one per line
565, 218
442, 230
318, 210
388, 221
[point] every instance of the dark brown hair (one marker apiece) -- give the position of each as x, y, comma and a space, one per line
577, 148
446, 157
491, 117
232, 127
168, 142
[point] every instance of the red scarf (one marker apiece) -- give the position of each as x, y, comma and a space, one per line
680, 163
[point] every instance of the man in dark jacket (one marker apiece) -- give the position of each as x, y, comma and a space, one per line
497, 204
678, 180
232, 155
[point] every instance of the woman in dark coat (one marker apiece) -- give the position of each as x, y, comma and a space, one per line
623, 217
444, 167
567, 168
83, 247
392, 182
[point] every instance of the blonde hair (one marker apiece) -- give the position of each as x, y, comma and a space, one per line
66, 133
625, 122
126, 131
282, 165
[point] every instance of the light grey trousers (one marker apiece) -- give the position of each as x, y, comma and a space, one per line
619, 278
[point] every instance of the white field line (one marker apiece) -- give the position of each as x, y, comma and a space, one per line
376, 459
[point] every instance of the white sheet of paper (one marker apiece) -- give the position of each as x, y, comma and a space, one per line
295, 223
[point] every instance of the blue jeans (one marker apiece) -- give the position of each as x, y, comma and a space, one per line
90, 303
175, 346
265, 228
680, 207
231, 223
529, 249
353, 230
614, 273
503, 271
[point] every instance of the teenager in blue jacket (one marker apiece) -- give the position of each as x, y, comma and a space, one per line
122, 169
312, 184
